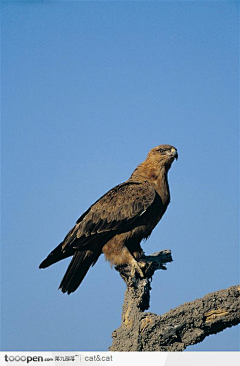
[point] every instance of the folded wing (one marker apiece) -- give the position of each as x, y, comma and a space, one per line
115, 212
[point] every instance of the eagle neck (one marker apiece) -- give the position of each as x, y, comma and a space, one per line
156, 176
162, 187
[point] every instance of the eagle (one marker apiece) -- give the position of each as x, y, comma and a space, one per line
118, 221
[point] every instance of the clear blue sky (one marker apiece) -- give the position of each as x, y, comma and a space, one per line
88, 88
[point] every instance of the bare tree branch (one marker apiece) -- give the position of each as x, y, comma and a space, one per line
185, 325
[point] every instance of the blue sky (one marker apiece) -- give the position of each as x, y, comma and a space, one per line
88, 88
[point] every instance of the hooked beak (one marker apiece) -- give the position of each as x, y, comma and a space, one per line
174, 153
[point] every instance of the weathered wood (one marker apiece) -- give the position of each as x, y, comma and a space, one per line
175, 330
139, 288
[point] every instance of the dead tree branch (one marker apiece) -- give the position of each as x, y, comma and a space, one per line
185, 325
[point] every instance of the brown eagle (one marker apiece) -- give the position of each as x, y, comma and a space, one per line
117, 222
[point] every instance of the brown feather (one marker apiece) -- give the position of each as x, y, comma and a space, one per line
117, 222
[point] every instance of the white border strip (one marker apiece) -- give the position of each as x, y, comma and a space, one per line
8, 358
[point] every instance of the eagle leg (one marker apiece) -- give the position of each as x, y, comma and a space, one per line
136, 267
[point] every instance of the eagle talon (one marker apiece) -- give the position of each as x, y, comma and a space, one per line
142, 263
136, 268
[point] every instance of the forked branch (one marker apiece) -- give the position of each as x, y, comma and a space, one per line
185, 325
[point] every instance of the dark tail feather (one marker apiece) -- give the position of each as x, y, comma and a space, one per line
77, 269
55, 256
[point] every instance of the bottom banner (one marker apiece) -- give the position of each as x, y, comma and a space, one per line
119, 358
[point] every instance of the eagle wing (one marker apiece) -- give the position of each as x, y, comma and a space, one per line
114, 212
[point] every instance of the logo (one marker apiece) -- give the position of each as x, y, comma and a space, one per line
22, 358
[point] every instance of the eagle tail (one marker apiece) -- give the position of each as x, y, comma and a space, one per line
77, 269
55, 256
